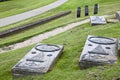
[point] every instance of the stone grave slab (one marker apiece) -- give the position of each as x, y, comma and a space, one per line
118, 15
119, 46
98, 51
38, 61
112, 20
97, 20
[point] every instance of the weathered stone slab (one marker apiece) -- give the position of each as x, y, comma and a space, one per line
96, 20
118, 15
119, 46
98, 51
112, 20
38, 61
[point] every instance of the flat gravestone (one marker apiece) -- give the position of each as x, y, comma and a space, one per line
38, 61
118, 15
112, 20
119, 46
97, 20
98, 51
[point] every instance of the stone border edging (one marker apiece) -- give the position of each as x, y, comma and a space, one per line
30, 25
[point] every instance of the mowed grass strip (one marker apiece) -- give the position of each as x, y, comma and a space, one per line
109, 7
13, 7
67, 67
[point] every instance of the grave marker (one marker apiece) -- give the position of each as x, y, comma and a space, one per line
98, 51
118, 15
119, 46
95, 8
96, 20
78, 12
86, 10
38, 61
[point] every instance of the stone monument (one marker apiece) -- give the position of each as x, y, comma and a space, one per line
96, 20
86, 10
95, 8
98, 51
78, 12
38, 61
118, 15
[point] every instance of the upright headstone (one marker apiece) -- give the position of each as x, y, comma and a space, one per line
86, 10
95, 8
118, 15
78, 12
38, 61
96, 20
98, 51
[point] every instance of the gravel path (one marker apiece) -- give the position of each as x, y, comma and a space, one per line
42, 37
13, 19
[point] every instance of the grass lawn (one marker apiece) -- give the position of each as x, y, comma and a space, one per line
73, 40
108, 7
13, 7
67, 67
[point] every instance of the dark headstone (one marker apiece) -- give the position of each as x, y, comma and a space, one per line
38, 61
78, 12
98, 51
95, 8
118, 15
96, 20
86, 10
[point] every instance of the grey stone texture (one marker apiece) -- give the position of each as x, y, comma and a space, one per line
112, 20
118, 15
97, 20
38, 61
98, 51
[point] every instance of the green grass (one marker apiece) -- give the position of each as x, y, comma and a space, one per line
67, 67
13, 7
109, 7
73, 40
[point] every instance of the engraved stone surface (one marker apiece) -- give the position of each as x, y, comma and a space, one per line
98, 51
38, 61
118, 15
96, 20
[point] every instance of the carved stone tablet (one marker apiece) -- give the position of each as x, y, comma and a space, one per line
39, 60
98, 51
118, 15
96, 20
